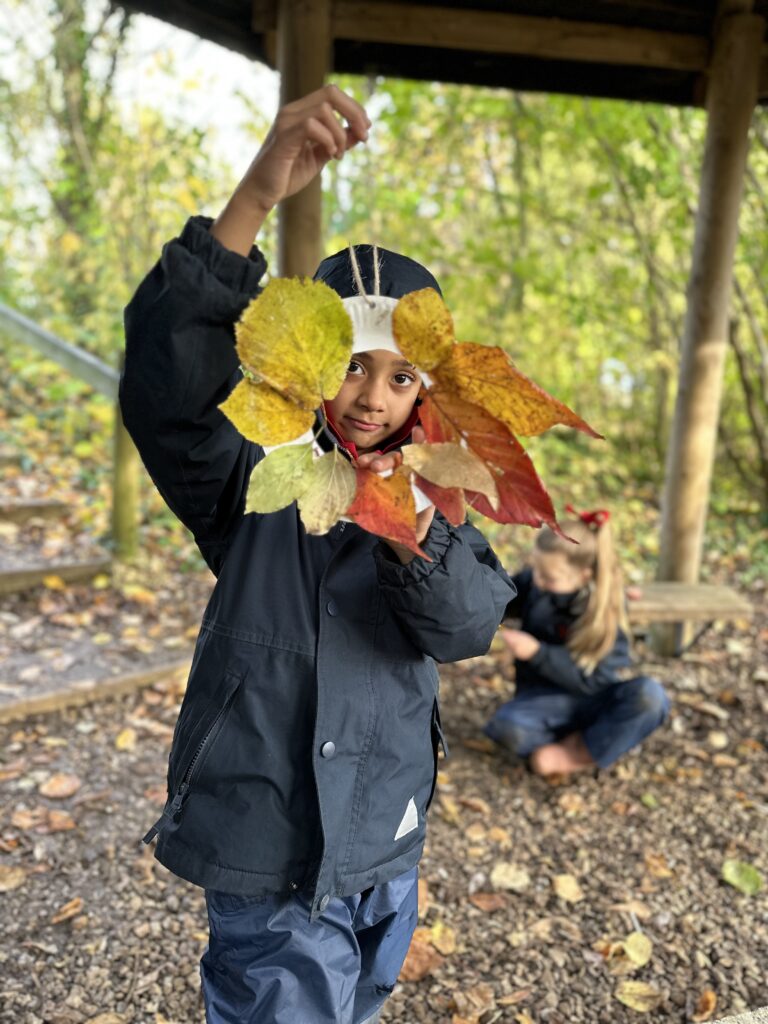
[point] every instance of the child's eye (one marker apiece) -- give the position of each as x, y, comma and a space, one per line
354, 367
403, 379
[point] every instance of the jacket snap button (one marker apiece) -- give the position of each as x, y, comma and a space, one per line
328, 749
332, 608
323, 902
293, 886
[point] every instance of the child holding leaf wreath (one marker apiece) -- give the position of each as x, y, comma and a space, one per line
304, 758
573, 707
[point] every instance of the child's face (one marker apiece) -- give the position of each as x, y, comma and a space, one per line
553, 572
376, 399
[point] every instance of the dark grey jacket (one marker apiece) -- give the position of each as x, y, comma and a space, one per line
304, 757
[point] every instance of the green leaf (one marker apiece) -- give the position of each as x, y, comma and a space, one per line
742, 876
280, 478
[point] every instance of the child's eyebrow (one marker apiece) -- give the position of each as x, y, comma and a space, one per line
396, 362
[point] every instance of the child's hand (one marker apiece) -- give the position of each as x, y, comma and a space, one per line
386, 464
305, 135
523, 645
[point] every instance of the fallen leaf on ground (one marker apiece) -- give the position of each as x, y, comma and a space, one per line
126, 740
510, 876
422, 958
638, 995
657, 865
488, 901
443, 938
567, 888
11, 877
475, 1001
742, 876
69, 910
705, 1006
60, 786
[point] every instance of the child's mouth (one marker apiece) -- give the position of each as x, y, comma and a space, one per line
369, 428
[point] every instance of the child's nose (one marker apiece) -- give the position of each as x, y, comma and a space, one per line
373, 395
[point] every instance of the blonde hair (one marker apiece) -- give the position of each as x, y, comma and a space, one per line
593, 634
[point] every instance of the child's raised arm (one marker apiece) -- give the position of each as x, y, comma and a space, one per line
304, 137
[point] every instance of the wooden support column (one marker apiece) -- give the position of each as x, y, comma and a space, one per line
303, 60
731, 97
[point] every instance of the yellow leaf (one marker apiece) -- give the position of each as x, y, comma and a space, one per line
449, 465
449, 809
443, 938
638, 948
330, 492
297, 338
510, 876
523, 1018
423, 328
126, 740
279, 478
100, 582
102, 639
54, 583
264, 416
484, 375
638, 995
567, 888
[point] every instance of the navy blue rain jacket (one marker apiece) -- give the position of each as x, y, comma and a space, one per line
549, 617
304, 756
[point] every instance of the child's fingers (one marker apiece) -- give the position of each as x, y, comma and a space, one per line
418, 435
327, 116
318, 133
351, 110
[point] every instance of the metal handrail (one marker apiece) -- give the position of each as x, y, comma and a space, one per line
82, 364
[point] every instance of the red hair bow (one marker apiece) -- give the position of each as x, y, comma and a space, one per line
596, 518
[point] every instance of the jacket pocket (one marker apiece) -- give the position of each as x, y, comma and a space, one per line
438, 740
197, 750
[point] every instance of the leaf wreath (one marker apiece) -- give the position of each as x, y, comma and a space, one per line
295, 342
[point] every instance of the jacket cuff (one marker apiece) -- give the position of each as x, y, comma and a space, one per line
393, 573
238, 273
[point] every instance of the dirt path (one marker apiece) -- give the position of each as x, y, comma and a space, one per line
95, 930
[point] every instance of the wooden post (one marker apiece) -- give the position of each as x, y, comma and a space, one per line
731, 98
303, 60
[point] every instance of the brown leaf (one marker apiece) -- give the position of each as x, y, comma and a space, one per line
60, 786
515, 997
657, 865
422, 958
11, 877
474, 1001
476, 803
69, 910
488, 901
705, 1005
449, 809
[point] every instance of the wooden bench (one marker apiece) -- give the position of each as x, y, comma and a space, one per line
680, 603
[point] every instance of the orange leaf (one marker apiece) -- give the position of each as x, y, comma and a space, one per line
705, 1005
422, 959
385, 506
60, 786
448, 500
485, 375
522, 498
488, 901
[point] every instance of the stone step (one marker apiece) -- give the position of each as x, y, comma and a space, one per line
17, 578
22, 511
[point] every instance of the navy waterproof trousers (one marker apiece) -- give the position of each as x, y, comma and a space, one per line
611, 721
266, 963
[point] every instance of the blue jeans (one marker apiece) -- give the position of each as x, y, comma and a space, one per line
611, 721
266, 963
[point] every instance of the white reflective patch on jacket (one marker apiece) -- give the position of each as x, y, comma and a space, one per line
410, 820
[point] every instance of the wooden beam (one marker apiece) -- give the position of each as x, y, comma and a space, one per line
452, 28
731, 98
303, 60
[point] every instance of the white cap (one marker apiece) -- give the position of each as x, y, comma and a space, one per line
371, 317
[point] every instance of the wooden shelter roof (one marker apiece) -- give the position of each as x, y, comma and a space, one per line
655, 50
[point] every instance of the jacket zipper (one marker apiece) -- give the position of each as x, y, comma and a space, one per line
170, 812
